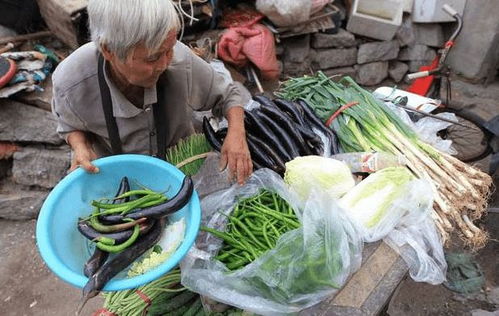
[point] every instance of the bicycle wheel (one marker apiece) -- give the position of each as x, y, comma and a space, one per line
470, 141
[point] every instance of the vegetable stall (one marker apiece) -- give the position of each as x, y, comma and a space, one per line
308, 225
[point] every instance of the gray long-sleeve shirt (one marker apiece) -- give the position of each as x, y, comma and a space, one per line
190, 84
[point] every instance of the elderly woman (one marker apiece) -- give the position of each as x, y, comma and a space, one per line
134, 87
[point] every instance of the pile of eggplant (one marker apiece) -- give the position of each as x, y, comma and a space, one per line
277, 131
148, 222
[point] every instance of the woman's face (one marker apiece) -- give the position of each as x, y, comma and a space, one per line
143, 67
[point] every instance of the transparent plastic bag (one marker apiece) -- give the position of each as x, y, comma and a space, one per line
378, 205
407, 227
420, 246
307, 265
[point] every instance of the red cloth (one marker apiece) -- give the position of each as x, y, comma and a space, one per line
252, 43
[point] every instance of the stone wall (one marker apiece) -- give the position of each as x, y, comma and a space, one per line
367, 60
40, 160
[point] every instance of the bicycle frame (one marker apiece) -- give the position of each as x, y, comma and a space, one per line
425, 78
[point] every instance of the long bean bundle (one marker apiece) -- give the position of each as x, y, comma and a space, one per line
254, 227
364, 123
134, 302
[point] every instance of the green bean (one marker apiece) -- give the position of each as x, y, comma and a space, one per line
277, 233
237, 264
280, 216
265, 236
250, 234
135, 192
224, 236
277, 212
255, 228
148, 197
122, 246
105, 240
226, 254
101, 228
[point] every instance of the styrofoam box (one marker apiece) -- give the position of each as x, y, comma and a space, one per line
414, 101
430, 11
407, 5
378, 19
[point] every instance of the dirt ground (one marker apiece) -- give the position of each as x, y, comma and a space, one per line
28, 287
413, 298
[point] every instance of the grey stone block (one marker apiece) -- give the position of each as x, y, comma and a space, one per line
21, 205
415, 64
40, 167
397, 70
416, 52
430, 34
377, 51
332, 58
296, 48
338, 73
372, 73
405, 34
296, 69
24, 123
340, 40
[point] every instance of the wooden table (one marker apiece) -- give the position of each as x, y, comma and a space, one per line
370, 288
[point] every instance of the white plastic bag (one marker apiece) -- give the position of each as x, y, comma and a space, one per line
307, 265
285, 12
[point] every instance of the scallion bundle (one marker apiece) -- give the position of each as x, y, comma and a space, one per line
364, 123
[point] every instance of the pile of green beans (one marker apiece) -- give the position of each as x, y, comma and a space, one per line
254, 227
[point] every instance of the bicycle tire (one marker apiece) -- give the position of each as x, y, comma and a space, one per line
472, 143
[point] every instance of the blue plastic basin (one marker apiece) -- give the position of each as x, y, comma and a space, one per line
65, 250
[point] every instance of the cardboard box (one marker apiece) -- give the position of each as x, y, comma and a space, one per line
67, 19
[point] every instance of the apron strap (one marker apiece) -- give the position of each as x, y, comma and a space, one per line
160, 120
107, 107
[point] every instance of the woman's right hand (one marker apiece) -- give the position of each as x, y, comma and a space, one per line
83, 153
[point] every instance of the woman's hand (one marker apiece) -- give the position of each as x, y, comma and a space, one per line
235, 153
83, 153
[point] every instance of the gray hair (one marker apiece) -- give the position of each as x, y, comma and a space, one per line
122, 24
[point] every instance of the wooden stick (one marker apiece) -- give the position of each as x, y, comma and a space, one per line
24, 37
255, 77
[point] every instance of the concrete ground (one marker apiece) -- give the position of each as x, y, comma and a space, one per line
29, 288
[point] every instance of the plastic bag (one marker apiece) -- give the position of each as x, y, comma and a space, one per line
407, 227
285, 12
379, 206
427, 128
418, 243
307, 265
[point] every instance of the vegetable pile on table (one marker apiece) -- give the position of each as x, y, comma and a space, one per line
363, 123
278, 131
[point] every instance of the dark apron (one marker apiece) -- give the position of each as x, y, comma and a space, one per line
112, 128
